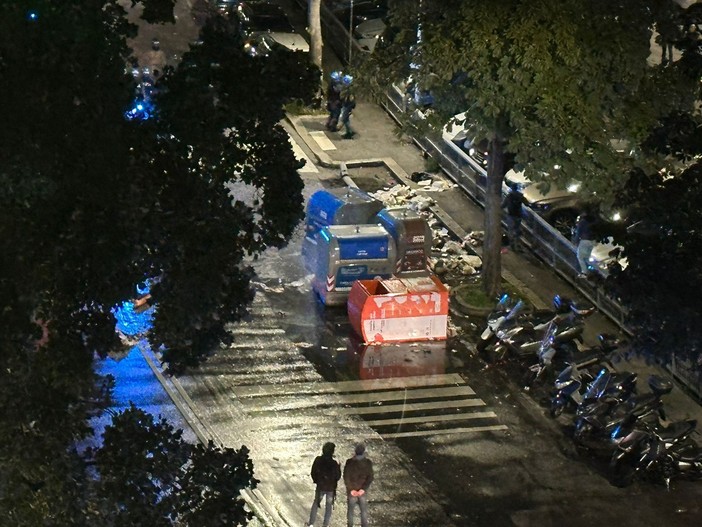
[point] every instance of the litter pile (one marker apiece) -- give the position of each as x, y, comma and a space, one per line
448, 255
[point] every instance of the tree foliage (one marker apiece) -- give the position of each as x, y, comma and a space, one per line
93, 204
551, 82
663, 247
147, 475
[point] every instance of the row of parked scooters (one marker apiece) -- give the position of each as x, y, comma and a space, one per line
610, 417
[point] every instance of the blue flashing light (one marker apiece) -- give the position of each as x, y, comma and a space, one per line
32, 15
141, 111
615, 432
131, 322
504, 298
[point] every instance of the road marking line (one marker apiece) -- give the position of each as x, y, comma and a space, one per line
309, 166
306, 400
413, 407
243, 330
430, 419
444, 431
349, 386
322, 140
384, 409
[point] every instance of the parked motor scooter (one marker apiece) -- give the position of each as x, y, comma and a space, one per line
545, 356
524, 338
503, 314
572, 382
653, 448
597, 420
609, 386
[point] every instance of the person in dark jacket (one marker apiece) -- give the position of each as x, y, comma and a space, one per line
585, 240
513, 205
334, 100
325, 472
348, 103
358, 476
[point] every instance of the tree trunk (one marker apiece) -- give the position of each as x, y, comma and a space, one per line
315, 30
492, 261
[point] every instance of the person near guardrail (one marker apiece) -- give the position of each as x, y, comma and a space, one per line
512, 203
585, 239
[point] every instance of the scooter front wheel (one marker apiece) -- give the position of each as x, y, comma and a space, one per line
622, 471
583, 430
557, 406
483, 343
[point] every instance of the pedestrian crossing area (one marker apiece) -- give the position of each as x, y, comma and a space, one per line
271, 378
395, 407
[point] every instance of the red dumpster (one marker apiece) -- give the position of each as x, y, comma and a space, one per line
399, 309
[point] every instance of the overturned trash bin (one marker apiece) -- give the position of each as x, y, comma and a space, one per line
399, 309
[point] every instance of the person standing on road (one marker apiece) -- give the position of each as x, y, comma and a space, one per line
358, 476
513, 205
325, 472
585, 239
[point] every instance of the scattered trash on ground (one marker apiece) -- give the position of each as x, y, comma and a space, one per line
449, 255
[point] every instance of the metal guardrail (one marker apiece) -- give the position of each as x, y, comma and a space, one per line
545, 241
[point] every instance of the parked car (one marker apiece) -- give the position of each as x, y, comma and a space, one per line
459, 136
557, 205
368, 33
261, 18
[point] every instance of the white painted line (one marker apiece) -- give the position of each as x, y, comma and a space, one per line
322, 140
243, 330
388, 408
412, 407
306, 400
430, 419
309, 166
349, 386
445, 431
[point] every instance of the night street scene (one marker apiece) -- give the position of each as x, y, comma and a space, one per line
284, 263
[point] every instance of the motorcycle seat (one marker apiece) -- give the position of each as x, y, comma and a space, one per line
659, 385
677, 429
587, 358
689, 453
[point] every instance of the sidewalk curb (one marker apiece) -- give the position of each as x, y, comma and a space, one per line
255, 500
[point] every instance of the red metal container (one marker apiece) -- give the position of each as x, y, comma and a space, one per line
399, 309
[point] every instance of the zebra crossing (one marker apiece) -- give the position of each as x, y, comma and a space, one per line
276, 385
395, 407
